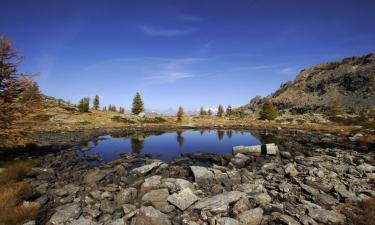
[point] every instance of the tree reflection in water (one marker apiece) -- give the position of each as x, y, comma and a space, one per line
137, 144
229, 134
220, 134
180, 139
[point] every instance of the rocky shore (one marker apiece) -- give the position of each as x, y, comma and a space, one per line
283, 186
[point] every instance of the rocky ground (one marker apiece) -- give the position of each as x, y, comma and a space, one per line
253, 186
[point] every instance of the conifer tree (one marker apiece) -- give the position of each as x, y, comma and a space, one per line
202, 112
137, 106
12, 83
229, 111
96, 102
220, 111
31, 94
122, 110
84, 104
104, 108
209, 112
268, 112
180, 114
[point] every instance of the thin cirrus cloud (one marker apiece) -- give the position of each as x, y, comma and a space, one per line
153, 70
166, 32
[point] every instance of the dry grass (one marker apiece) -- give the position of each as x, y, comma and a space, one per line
13, 192
366, 213
15, 171
366, 139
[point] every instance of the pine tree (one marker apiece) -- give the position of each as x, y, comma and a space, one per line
96, 102
229, 111
180, 114
209, 112
137, 106
31, 94
104, 108
268, 112
220, 111
202, 112
12, 83
121, 110
84, 105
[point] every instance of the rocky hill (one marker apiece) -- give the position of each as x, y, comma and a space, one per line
351, 82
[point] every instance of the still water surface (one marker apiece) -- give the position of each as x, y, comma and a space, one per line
166, 146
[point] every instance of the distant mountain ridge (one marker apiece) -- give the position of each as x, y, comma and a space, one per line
350, 81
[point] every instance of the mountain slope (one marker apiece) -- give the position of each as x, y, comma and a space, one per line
350, 81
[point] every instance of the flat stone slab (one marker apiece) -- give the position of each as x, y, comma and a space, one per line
220, 202
247, 149
183, 199
146, 168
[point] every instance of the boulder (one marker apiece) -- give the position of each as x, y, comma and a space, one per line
251, 217
95, 176
220, 202
143, 170
176, 184
291, 170
151, 216
202, 175
150, 183
271, 149
83, 221
285, 219
262, 199
227, 221
247, 149
65, 213
158, 198
125, 196
326, 216
183, 199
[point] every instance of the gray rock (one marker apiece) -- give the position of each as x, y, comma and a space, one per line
227, 221
150, 183
262, 199
142, 115
202, 175
32, 222
285, 219
107, 206
119, 221
290, 170
247, 149
128, 208
183, 199
151, 216
64, 213
343, 192
158, 197
310, 190
93, 177
143, 170
366, 168
325, 216
251, 188
126, 196
251, 217
83, 221
176, 184
272, 149
285, 154
220, 202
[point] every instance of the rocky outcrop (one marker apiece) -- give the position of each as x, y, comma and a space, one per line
351, 81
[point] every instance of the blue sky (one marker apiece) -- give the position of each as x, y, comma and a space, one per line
177, 52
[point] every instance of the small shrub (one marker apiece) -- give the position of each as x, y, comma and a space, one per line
42, 117
268, 112
157, 119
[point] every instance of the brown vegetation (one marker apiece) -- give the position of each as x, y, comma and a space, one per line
13, 192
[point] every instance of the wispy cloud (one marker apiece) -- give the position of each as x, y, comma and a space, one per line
166, 32
287, 71
153, 70
258, 67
